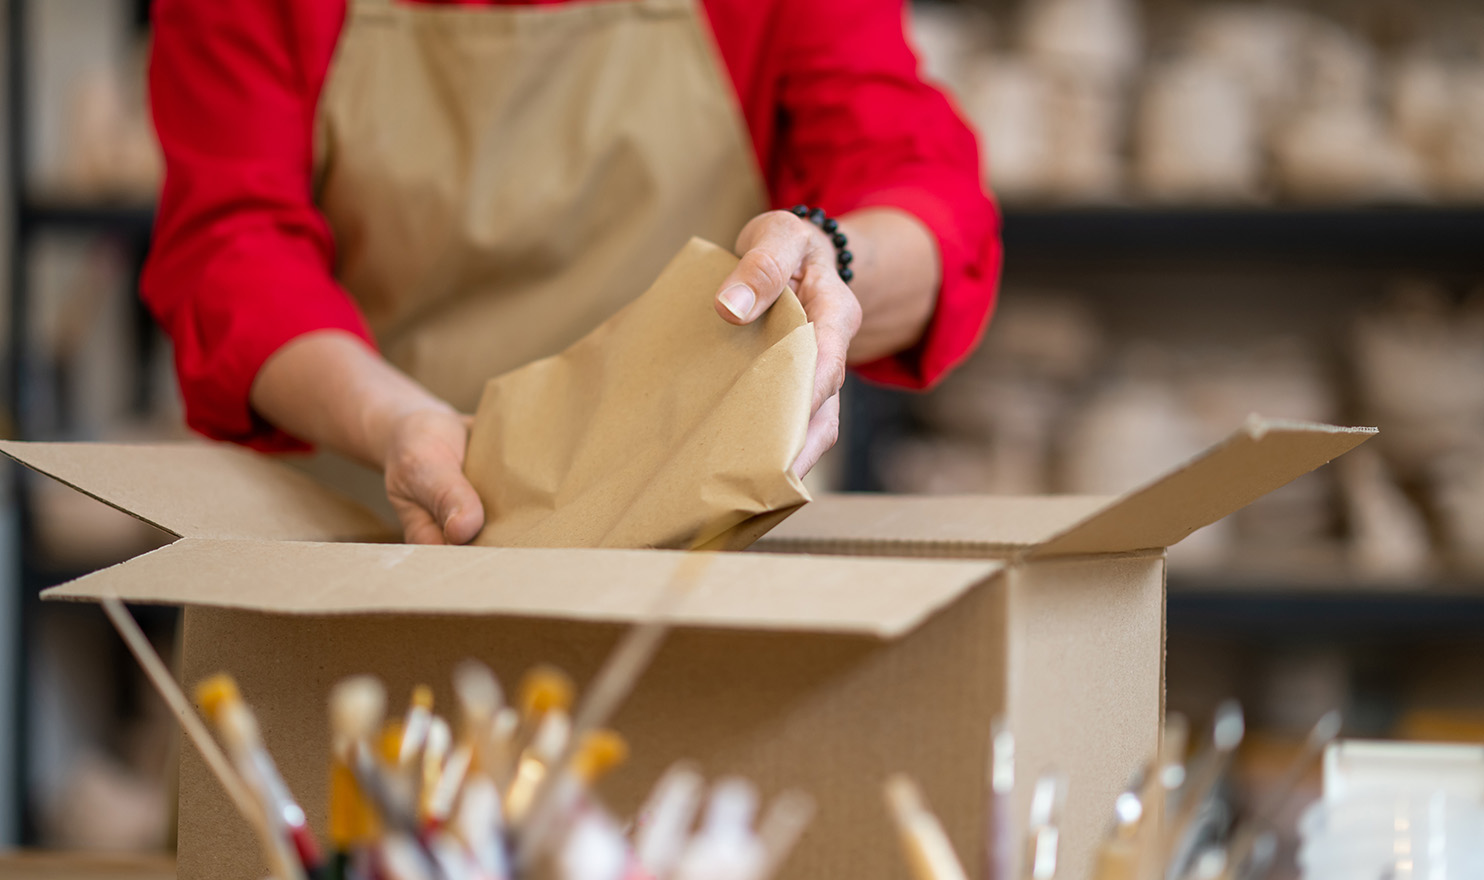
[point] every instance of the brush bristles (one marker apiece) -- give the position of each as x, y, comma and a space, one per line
545, 688
1227, 732
477, 689
422, 697
238, 727
783, 825
600, 752
216, 692
551, 737
357, 706
903, 797
1326, 729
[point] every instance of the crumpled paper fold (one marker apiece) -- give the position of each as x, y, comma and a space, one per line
664, 427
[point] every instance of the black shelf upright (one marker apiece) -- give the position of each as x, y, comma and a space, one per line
31, 416
14, 614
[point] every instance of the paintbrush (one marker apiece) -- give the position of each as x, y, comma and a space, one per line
356, 708
1179, 838
479, 824
450, 782
480, 698
619, 673
600, 752
1043, 841
237, 791
537, 764
1243, 841
1137, 811
1120, 854
781, 827
1172, 752
1000, 841
665, 819
544, 689
416, 727
223, 705
433, 759
929, 853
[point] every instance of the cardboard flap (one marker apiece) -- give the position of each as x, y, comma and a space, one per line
876, 597
961, 526
205, 490
1264, 455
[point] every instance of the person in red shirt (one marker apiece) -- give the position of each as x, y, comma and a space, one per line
368, 211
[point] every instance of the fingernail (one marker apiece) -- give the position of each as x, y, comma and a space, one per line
448, 521
739, 299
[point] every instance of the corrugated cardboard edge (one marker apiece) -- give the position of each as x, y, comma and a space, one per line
882, 598
1255, 460
939, 526
204, 490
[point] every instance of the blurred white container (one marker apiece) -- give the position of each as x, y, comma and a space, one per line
1396, 811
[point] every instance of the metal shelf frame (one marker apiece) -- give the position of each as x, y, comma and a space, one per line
21, 580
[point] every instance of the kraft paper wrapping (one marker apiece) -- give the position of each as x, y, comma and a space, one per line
664, 427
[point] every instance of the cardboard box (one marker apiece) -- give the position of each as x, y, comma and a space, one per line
821, 672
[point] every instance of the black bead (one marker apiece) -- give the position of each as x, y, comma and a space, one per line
846, 274
830, 225
844, 258
839, 239
817, 216
800, 210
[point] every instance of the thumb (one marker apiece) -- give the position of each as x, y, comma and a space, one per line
778, 243
451, 508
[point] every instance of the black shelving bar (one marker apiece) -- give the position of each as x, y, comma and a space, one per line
1436, 237
1278, 614
125, 220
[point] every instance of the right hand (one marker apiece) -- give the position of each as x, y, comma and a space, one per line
424, 467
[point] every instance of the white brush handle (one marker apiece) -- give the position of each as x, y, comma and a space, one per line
196, 731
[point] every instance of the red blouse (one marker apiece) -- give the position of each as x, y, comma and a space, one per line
241, 261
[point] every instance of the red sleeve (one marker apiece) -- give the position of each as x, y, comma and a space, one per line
858, 129
241, 259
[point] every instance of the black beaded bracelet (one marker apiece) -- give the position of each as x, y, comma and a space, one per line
831, 227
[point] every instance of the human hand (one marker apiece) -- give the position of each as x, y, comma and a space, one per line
424, 466
779, 249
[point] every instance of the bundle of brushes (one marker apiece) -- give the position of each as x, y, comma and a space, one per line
1168, 824
503, 792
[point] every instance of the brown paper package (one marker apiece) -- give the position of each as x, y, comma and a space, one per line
664, 427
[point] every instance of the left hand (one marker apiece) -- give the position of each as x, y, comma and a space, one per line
779, 249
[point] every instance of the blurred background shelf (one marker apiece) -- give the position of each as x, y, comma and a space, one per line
1268, 607
82, 215
1437, 238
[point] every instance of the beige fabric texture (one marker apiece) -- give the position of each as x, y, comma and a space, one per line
501, 181
664, 427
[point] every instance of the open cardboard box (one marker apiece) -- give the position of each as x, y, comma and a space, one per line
825, 672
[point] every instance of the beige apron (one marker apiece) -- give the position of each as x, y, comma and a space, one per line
500, 180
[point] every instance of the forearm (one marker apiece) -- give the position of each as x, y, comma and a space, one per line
330, 389
897, 275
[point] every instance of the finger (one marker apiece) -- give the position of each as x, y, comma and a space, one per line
467, 519
776, 244
823, 432
435, 496
418, 526
836, 315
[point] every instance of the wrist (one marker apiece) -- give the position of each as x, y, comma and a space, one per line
834, 238
381, 419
